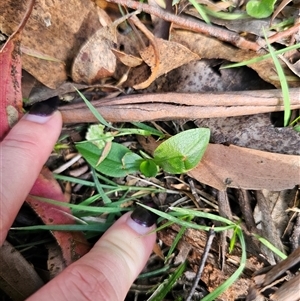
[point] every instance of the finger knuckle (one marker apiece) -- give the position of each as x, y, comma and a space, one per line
88, 283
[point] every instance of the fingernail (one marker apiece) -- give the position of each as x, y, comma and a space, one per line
41, 112
141, 220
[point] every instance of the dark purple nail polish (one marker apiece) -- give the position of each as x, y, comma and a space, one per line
143, 217
44, 108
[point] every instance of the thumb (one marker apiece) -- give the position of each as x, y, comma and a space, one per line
109, 269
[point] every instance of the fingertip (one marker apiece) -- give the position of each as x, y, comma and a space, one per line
42, 111
55, 118
142, 220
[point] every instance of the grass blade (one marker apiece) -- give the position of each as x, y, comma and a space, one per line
94, 111
261, 58
81, 207
165, 287
283, 82
90, 227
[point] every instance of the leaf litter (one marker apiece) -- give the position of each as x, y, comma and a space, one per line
255, 164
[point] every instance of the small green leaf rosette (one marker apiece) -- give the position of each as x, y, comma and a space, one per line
183, 151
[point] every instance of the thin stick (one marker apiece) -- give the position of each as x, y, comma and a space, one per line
211, 235
201, 27
284, 34
170, 106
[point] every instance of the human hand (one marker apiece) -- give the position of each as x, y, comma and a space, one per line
109, 269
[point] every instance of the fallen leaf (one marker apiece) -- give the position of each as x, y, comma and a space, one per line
253, 131
171, 55
237, 167
73, 243
18, 279
295, 67
211, 48
56, 29
96, 60
205, 76
279, 8
10, 87
127, 59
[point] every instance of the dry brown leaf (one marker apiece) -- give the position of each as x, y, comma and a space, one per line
211, 48
295, 67
56, 29
280, 7
127, 59
17, 277
171, 56
238, 167
95, 59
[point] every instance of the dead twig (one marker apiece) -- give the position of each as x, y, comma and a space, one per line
170, 106
284, 34
196, 26
211, 235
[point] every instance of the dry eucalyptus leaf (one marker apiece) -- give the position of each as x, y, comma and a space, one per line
237, 167
171, 56
56, 29
211, 48
204, 76
127, 59
95, 59
17, 276
253, 131
295, 67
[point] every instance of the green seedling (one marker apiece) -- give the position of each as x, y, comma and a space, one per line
183, 151
295, 124
176, 155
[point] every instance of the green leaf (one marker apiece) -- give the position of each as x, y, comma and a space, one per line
183, 151
270, 246
119, 162
297, 128
260, 8
149, 129
96, 135
148, 168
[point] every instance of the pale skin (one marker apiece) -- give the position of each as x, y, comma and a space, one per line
109, 269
